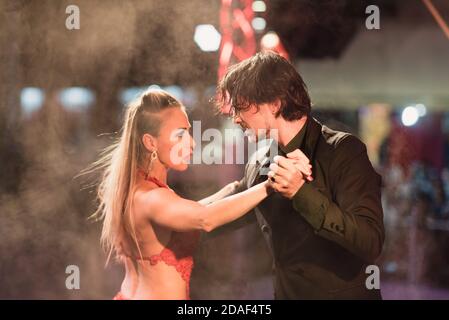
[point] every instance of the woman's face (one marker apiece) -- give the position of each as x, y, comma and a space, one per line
174, 143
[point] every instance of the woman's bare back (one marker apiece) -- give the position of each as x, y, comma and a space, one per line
161, 270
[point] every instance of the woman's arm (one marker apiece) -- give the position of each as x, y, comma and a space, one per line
166, 208
227, 190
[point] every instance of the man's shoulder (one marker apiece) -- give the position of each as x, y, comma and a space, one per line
341, 141
344, 149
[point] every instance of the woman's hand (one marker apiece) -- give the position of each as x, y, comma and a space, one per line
227, 190
230, 188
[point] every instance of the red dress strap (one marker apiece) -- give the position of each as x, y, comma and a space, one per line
152, 179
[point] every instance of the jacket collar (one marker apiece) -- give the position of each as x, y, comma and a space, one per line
313, 133
306, 142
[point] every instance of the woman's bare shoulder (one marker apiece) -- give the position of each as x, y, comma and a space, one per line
149, 198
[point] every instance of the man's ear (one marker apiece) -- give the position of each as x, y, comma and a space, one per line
275, 106
149, 142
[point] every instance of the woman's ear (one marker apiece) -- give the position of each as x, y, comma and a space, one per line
149, 142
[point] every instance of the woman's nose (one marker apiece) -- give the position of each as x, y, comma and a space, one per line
192, 142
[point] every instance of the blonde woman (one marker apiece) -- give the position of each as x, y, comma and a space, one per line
147, 225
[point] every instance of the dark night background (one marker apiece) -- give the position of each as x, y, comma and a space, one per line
360, 81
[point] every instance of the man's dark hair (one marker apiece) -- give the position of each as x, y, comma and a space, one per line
263, 78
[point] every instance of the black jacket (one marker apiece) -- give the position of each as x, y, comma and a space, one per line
323, 239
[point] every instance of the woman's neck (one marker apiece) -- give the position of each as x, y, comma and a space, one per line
159, 171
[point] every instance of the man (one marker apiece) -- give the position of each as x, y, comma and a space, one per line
324, 223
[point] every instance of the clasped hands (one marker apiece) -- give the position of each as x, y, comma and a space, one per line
288, 174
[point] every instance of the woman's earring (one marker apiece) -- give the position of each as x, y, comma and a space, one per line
153, 157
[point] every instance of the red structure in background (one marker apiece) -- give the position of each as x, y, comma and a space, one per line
238, 40
238, 37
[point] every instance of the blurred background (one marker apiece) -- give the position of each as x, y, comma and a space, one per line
62, 97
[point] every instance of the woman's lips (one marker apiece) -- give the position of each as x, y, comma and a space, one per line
187, 158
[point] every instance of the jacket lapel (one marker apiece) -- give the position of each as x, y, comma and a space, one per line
254, 170
311, 139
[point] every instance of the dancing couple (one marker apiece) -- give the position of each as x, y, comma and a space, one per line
319, 207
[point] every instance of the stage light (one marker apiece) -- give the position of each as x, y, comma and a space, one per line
175, 91
31, 99
410, 116
76, 98
259, 23
190, 98
270, 40
129, 94
259, 6
154, 87
422, 110
207, 37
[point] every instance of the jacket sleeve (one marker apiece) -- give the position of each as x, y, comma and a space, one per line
353, 218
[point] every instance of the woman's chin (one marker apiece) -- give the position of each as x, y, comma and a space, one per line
181, 167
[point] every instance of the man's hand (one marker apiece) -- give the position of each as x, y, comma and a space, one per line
302, 163
288, 175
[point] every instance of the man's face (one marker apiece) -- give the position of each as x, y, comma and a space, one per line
256, 123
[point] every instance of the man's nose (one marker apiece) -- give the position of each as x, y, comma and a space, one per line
237, 120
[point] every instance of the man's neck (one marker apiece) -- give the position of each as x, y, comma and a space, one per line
289, 129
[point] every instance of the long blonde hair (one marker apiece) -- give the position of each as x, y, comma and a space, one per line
121, 162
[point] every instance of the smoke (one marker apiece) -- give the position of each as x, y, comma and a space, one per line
43, 209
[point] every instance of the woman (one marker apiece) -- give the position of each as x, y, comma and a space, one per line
151, 229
